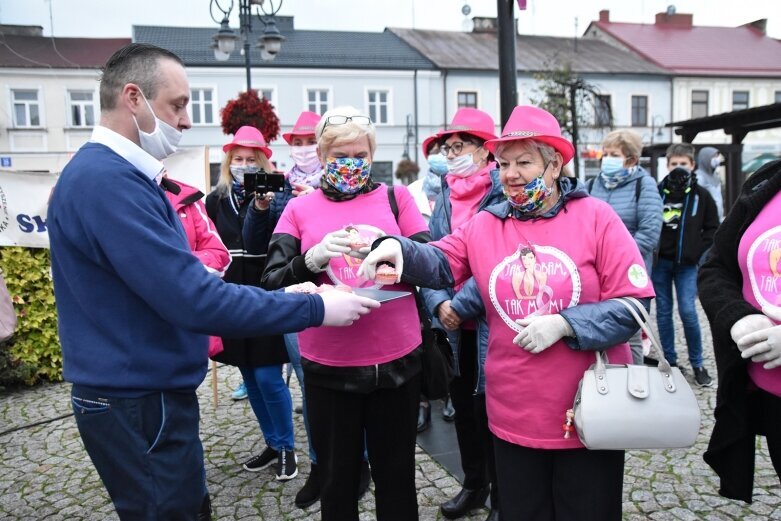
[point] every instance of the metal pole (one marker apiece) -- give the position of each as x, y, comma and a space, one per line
508, 76
415, 97
245, 21
574, 115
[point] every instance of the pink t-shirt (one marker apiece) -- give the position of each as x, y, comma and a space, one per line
759, 256
387, 333
584, 254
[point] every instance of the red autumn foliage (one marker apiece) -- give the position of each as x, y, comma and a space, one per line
249, 109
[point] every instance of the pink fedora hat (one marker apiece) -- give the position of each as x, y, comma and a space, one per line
305, 126
249, 137
527, 122
471, 121
427, 142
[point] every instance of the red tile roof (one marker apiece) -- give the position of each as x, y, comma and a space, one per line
707, 51
57, 53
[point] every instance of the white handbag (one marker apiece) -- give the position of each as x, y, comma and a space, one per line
621, 407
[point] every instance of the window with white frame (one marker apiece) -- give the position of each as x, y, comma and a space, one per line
603, 112
639, 111
317, 100
267, 94
202, 106
26, 107
378, 106
81, 108
739, 99
699, 103
466, 98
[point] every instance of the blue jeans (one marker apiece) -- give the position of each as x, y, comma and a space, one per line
270, 399
685, 278
291, 343
146, 450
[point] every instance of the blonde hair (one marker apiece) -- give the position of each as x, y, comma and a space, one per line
331, 135
547, 152
630, 144
226, 179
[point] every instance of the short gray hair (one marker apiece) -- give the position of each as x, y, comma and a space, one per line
547, 152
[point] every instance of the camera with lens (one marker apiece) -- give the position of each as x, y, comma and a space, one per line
261, 182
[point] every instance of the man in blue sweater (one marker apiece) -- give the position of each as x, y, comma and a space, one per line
135, 305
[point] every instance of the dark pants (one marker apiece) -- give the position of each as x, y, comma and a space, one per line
475, 442
559, 485
146, 450
766, 416
338, 420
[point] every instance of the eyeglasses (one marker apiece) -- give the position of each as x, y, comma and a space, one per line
341, 120
456, 147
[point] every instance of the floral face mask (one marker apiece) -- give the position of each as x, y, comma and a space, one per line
532, 197
348, 175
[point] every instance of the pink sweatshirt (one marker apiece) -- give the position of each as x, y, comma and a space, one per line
584, 254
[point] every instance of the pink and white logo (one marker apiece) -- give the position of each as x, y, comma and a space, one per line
764, 268
535, 280
344, 269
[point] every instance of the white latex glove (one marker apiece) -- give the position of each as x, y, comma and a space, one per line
342, 308
333, 245
388, 250
763, 345
307, 287
541, 332
749, 324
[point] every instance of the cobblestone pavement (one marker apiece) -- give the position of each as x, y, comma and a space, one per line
46, 474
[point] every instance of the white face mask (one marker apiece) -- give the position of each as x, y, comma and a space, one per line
305, 158
462, 166
162, 141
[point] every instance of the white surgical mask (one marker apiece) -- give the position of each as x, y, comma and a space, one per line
238, 171
162, 141
306, 159
462, 166
612, 164
715, 162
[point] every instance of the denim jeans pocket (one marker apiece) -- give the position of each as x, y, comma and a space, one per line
85, 406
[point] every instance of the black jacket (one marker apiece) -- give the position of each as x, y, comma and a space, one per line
720, 283
244, 269
687, 243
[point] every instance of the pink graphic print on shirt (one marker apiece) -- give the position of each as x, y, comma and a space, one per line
535, 280
344, 269
764, 267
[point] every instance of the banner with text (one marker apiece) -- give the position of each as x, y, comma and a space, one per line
24, 197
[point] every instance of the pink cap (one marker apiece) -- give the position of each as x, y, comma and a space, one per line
249, 137
471, 121
527, 122
305, 126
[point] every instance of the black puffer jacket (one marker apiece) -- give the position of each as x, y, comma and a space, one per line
244, 269
720, 283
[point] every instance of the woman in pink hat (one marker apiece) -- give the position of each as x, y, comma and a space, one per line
539, 347
259, 359
470, 185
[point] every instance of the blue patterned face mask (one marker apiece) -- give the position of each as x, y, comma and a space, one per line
348, 175
613, 171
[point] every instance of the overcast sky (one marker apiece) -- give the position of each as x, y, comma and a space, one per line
114, 18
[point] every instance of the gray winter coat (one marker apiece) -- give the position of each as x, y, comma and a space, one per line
708, 179
641, 212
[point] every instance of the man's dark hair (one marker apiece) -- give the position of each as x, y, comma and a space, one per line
680, 150
134, 63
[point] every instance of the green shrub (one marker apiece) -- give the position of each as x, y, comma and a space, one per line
35, 351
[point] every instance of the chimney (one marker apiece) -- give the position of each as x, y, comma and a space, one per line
484, 25
759, 25
604, 15
674, 19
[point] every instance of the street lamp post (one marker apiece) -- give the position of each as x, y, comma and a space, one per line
656, 130
224, 41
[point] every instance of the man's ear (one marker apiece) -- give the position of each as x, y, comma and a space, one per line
131, 97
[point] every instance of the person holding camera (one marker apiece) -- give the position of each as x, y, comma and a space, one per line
259, 358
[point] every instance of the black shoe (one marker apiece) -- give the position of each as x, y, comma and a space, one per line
287, 465
464, 502
448, 412
681, 369
262, 460
493, 515
424, 417
702, 377
310, 492
364, 480
205, 513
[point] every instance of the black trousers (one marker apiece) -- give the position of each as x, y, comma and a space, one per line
475, 441
338, 420
559, 485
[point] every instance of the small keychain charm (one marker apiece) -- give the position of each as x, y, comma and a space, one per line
569, 423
